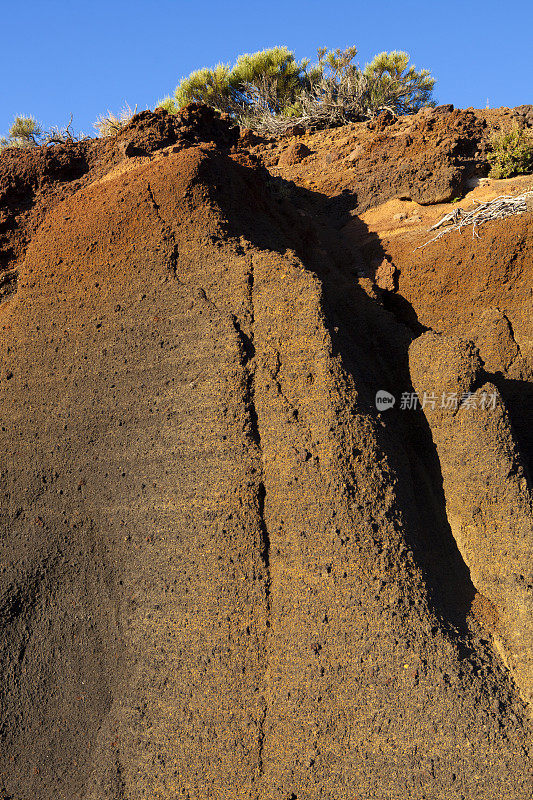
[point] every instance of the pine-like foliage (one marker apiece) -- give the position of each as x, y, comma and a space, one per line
271, 76
24, 132
211, 86
396, 85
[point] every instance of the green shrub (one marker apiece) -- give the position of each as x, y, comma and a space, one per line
271, 76
511, 154
270, 89
211, 86
396, 85
27, 132
334, 91
24, 132
169, 104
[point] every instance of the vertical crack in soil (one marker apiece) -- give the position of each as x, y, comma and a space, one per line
153, 201
247, 348
168, 235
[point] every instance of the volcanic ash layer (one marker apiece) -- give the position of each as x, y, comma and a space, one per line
224, 574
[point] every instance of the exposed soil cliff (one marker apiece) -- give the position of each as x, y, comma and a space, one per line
225, 574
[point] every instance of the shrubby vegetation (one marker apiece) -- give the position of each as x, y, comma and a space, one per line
511, 154
271, 90
24, 132
111, 124
274, 73
396, 85
27, 132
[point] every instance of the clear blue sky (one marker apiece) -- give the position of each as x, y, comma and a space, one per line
59, 57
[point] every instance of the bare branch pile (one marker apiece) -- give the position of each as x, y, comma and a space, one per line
499, 208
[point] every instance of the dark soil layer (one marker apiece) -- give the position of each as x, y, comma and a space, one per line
224, 573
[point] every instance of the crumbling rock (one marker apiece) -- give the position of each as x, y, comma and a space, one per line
150, 131
294, 154
386, 275
427, 157
486, 486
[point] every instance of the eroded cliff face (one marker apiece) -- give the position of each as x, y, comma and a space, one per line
488, 494
224, 573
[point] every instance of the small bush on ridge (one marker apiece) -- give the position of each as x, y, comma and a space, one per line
511, 154
27, 132
270, 90
396, 85
24, 132
110, 124
273, 74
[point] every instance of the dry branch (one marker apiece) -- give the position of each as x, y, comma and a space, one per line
499, 208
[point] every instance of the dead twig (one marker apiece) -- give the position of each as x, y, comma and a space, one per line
499, 208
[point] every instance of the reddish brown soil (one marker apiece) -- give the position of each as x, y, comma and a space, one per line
430, 157
224, 573
479, 289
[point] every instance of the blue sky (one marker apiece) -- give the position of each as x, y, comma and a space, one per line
58, 57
